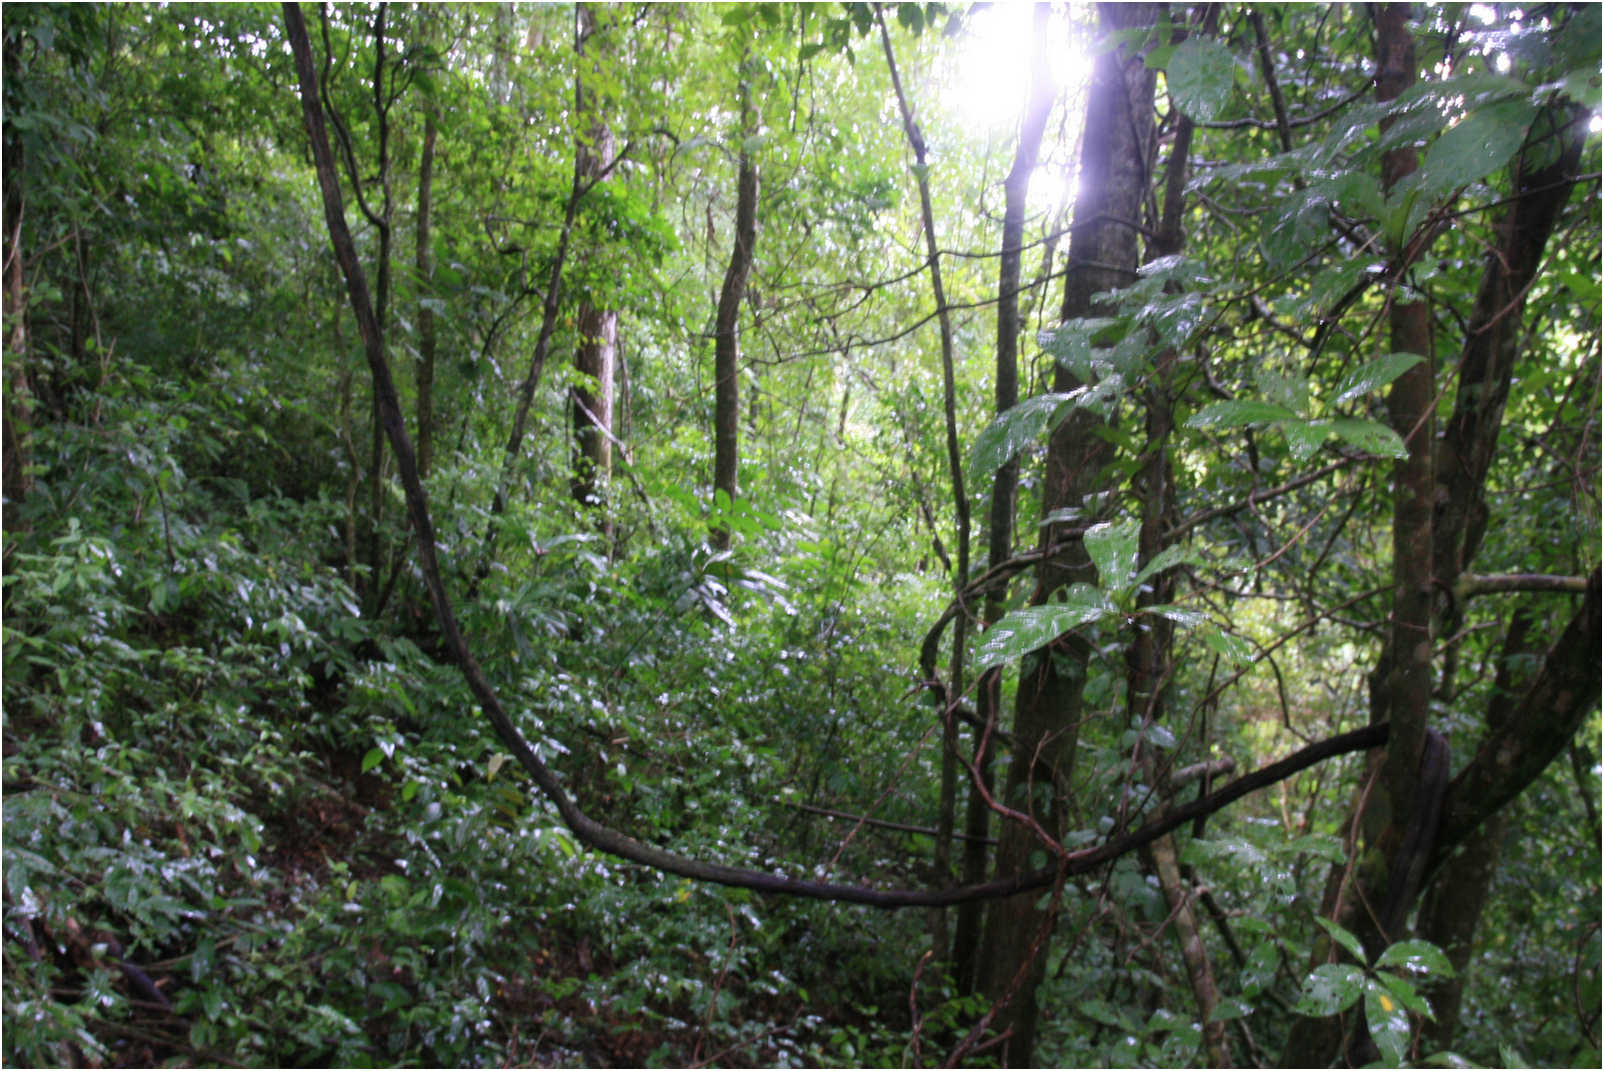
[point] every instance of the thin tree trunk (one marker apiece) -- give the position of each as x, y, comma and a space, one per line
1451, 910
595, 355
1103, 255
955, 687
550, 307
1000, 532
426, 332
1401, 682
1149, 656
18, 404
726, 331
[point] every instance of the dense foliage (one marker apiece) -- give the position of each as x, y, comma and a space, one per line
252, 811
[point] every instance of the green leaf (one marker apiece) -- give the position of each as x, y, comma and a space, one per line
1330, 988
1013, 430
372, 759
1028, 628
1373, 375
1389, 1023
1230, 1008
1239, 414
1371, 437
1233, 649
1343, 938
1476, 146
1112, 548
1168, 558
1405, 992
1305, 437
1200, 76
1417, 957
1184, 618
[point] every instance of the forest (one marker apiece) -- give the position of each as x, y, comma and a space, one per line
868, 534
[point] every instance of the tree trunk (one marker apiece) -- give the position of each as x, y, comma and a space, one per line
960, 499
1103, 255
1000, 532
1438, 522
594, 357
426, 333
18, 405
1149, 657
1401, 682
726, 331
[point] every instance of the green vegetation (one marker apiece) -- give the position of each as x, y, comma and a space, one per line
1306, 307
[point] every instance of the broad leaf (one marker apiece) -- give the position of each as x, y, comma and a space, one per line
1388, 1020
1200, 74
1024, 630
1013, 430
1230, 1008
1305, 437
1168, 558
1343, 938
1239, 414
1371, 437
1330, 988
1373, 375
1417, 957
1182, 617
1476, 146
1112, 548
1405, 993
1233, 649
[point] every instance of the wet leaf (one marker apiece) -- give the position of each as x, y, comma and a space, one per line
1013, 430
1330, 988
1239, 414
1200, 74
1024, 630
1373, 375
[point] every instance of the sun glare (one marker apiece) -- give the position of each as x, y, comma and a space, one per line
986, 88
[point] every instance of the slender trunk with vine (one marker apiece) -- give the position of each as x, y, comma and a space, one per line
1000, 533
1103, 256
726, 330
426, 327
955, 685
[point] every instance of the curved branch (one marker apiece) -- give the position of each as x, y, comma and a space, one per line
593, 833
1517, 751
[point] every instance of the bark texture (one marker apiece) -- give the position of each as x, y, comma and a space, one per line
1439, 520
1000, 529
1103, 255
595, 356
726, 330
425, 269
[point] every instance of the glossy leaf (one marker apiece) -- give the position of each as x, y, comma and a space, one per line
1168, 558
1028, 628
1112, 548
1476, 146
1013, 430
1305, 437
1405, 993
1417, 957
1330, 988
1373, 375
1347, 940
1389, 1024
1200, 75
1371, 437
1241, 413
